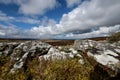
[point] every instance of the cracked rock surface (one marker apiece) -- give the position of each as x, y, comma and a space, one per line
104, 53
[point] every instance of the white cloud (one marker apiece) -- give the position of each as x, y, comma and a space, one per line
6, 1
12, 31
71, 3
2, 34
88, 15
9, 31
92, 14
4, 17
18, 2
27, 20
47, 22
102, 31
33, 7
37, 7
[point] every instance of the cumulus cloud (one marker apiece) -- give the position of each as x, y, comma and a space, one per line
33, 7
11, 1
12, 31
48, 22
101, 32
37, 7
9, 31
71, 3
88, 15
4, 17
27, 20
92, 18
2, 33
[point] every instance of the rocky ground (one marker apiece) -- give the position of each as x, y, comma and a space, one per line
19, 52
104, 53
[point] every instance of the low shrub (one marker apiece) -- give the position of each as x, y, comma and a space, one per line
114, 37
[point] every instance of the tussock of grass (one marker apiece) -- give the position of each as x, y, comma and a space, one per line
59, 70
67, 70
5, 65
34, 69
114, 37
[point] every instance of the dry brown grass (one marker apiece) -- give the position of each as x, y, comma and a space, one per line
69, 69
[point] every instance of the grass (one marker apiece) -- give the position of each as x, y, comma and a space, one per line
5, 65
114, 37
34, 69
69, 69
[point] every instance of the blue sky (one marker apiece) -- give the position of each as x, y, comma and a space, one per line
58, 19
56, 13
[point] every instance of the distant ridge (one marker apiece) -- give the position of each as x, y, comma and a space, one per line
15, 39
24, 39
98, 38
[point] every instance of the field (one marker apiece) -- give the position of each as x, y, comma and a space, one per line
53, 59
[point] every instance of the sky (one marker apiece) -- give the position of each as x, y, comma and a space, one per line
59, 19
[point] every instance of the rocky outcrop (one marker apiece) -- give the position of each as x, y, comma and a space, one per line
7, 48
54, 54
103, 52
19, 52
